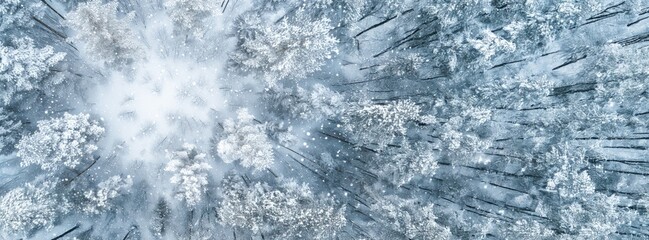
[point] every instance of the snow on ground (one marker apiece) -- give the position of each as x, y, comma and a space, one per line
176, 94
171, 96
165, 102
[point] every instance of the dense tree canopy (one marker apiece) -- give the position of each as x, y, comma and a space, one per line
324, 119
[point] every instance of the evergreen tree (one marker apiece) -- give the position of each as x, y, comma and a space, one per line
291, 49
247, 141
29, 207
19, 13
188, 15
103, 35
24, 67
288, 211
62, 142
10, 129
190, 174
100, 199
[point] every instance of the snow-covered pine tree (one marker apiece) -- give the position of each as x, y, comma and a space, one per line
593, 216
286, 211
315, 103
400, 165
188, 15
63, 142
19, 13
10, 129
190, 174
245, 140
161, 214
25, 67
528, 229
410, 218
371, 123
103, 35
100, 199
291, 49
25, 208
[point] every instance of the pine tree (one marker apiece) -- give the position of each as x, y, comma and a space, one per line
160, 222
291, 49
289, 211
247, 141
309, 104
528, 229
379, 124
25, 208
595, 216
188, 15
490, 44
104, 36
18, 13
100, 199
412, 219
24, 67
190, 174
60, 142
10, 128
401, 165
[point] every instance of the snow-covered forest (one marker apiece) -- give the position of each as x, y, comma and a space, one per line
324, 119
